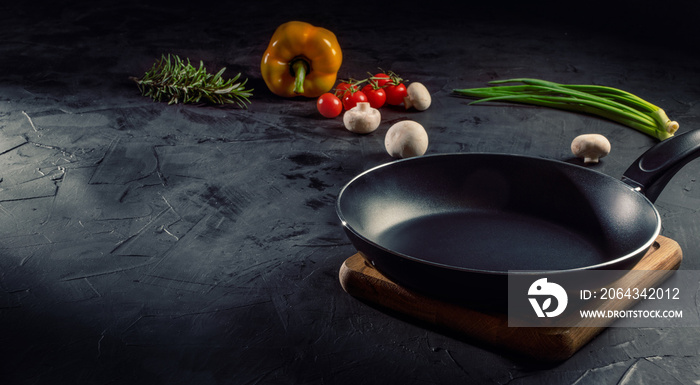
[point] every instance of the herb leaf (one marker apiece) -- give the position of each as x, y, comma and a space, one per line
177, 81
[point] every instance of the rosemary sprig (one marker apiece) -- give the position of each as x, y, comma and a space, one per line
176, 80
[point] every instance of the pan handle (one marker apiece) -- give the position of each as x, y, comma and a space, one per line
654, 169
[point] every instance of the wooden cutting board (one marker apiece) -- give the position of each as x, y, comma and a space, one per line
362, 281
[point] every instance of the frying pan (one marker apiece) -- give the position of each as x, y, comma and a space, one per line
455, 225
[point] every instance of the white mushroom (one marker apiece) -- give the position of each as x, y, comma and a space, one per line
418, 97
362, 119
406, 139
590, 147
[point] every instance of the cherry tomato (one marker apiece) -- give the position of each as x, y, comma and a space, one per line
329, 105
381, 79
343, 87
351, 99
395, 93
375, 96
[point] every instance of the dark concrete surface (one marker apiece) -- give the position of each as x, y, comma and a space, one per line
149, 243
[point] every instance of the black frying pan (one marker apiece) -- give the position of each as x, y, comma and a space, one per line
455, 225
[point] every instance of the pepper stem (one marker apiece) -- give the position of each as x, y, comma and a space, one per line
299, 69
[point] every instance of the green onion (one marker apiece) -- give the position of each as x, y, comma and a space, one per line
606, 102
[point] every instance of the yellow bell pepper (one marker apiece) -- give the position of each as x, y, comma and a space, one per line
301, 59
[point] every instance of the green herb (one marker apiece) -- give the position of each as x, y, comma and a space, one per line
607, 102
176, 80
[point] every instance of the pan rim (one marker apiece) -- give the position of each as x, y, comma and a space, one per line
639, 250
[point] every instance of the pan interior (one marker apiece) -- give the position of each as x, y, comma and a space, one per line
491, 241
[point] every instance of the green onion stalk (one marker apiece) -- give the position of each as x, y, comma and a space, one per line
607, 102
